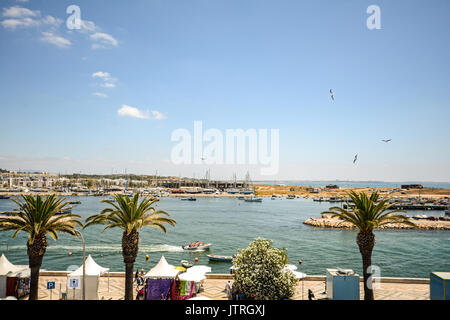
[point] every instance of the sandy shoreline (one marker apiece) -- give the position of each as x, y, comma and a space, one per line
268, 190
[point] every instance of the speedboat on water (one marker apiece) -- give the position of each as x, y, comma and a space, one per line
202, 246
213, 257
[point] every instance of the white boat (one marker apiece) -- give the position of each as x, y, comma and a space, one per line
186, 264
213, 257
420, 216
203, 246
253, 199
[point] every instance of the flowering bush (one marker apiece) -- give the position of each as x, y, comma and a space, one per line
259, 271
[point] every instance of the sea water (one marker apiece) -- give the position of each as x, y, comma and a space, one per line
230, 224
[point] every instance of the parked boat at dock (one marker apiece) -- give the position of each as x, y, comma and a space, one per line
213, 257
253, 199
189, 199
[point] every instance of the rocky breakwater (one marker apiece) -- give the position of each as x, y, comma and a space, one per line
327, 222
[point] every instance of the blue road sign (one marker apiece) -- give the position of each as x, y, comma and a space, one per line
50, 285
73, 283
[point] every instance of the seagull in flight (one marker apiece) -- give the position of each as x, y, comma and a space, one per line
356, 158
387, 140
332, 94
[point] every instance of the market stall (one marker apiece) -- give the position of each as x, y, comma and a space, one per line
159, 280
11, 277
196, 274
92, 276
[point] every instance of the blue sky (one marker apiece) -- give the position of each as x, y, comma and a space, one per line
231, 64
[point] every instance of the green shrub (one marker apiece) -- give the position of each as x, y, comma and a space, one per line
260, 273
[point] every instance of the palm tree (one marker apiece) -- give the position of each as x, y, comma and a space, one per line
38, 217
130, 215
366, 214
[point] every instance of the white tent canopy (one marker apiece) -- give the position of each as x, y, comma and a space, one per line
7, 269
91, 269
92, 273
162, 270
6, 266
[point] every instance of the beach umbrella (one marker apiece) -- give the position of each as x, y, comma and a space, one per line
201, 269
290, 267
299, 275
192, 276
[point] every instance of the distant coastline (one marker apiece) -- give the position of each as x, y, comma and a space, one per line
353, 184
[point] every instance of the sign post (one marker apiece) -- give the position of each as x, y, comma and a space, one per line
74, 284
51, 287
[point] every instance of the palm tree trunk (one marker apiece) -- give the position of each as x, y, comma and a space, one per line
35, 263
129, 267
130, 249
36, 251
366, 242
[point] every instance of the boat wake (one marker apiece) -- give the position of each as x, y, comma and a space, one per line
105, 249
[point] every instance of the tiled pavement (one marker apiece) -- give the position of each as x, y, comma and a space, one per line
214, 289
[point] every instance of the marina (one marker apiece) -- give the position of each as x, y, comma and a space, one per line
230, 224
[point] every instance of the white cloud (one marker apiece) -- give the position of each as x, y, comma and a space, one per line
128, 111
25, 18
101, 74
56, 40
20, 17
103, 40
108, 85
23, 22
52, 21
19, 12
108, 81
157, 115
88, 26
101, 95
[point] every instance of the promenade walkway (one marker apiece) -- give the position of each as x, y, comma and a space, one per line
214, 289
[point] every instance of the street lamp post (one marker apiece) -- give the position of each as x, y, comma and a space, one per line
84, 267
